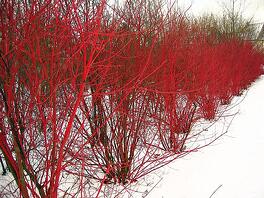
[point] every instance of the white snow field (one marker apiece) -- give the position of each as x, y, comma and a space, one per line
232, 167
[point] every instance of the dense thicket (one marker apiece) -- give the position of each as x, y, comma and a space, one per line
93, 95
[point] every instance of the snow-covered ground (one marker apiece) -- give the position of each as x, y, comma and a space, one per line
233, 166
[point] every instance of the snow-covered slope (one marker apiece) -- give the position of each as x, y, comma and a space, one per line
234, 164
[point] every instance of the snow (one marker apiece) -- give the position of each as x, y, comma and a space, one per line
232, 167
234, 164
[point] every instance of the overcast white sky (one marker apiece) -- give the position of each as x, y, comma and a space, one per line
250, 8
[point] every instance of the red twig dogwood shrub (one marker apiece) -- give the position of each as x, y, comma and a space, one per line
47, 50
93, 96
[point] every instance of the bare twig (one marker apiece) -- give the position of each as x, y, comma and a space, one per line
216, 190
147, 193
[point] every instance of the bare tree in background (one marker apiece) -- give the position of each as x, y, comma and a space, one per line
233, 23
261, 33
